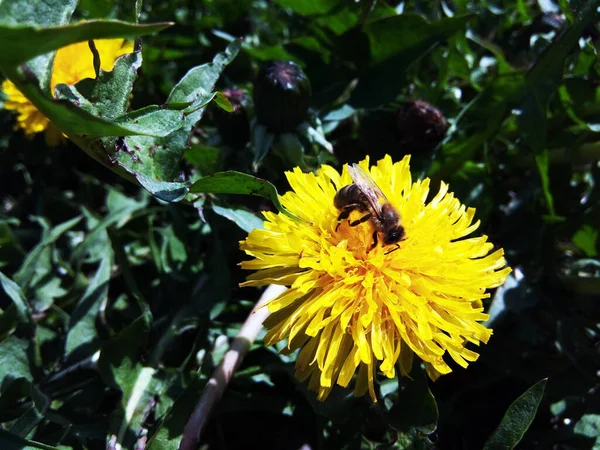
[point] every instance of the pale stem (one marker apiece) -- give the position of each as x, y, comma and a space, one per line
219, 380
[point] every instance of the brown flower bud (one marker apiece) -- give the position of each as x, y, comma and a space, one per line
281, 96
420, 126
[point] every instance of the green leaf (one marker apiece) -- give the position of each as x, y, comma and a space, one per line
242, 218
232, 182
20, 43
395, 43
517, 419
82, 337
196, 88
14, 360
153, 121
164, 190
339, 114
16, 295
223, 102
10, 441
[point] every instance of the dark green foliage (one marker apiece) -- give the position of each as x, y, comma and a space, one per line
119, 280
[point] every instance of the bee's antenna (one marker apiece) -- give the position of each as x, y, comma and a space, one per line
393, 250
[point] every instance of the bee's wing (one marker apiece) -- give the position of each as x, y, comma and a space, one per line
367, 185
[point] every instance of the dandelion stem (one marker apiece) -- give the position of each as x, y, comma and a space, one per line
224, 372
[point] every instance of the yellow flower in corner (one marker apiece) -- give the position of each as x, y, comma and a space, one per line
71, 65
352, 308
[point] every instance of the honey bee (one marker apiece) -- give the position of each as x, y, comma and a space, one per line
366, 197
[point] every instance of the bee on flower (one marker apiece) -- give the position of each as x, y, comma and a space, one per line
366, 293
71, 65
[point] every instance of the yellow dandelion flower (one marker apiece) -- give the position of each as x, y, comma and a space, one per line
352, 308
71, 65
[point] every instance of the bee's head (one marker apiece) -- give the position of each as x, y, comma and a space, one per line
394, 235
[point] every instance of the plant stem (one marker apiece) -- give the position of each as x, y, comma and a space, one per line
224, 372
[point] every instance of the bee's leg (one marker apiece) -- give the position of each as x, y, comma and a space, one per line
361, 220
374, 244
345, 214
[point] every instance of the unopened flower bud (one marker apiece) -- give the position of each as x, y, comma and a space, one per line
420, 126
281, 96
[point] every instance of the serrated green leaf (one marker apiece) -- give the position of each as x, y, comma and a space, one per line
82, 337
154, 161
23, 42
108, 94
196, 88
517, 419
72, 119
13, 290
232, 182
